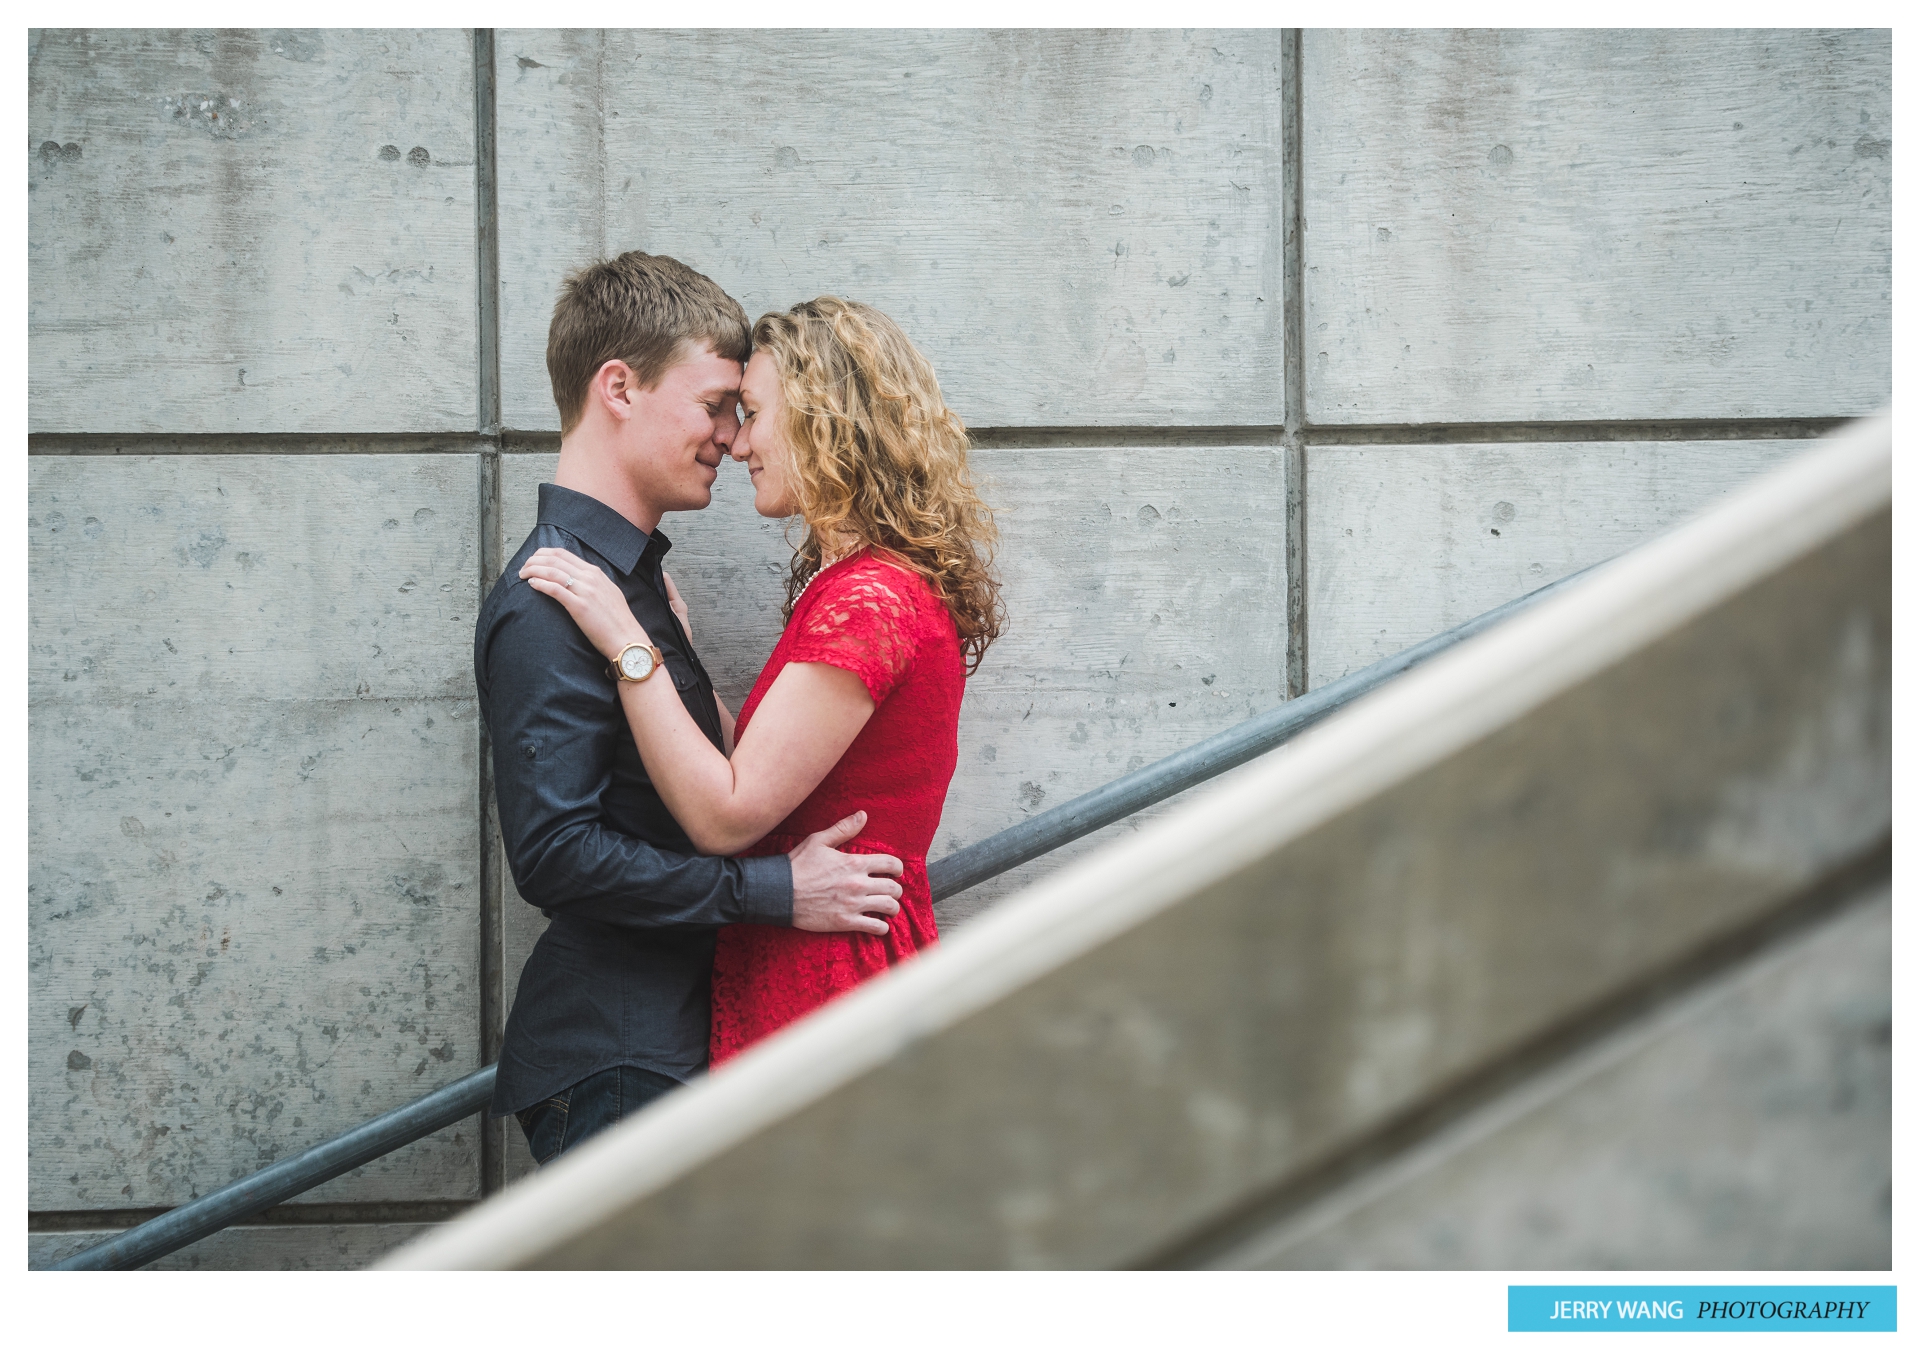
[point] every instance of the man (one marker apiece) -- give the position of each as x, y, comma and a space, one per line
645, 356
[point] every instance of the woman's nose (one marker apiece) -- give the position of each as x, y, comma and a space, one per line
739, 448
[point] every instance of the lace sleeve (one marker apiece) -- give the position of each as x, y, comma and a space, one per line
865, 622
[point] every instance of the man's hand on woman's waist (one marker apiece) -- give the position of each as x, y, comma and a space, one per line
842, 893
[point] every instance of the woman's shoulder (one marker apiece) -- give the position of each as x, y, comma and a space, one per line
874, 605
875, 582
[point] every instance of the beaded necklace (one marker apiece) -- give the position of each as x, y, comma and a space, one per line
816, 574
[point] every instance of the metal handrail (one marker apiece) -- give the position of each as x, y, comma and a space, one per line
958, 871
1196, 764
194, 1220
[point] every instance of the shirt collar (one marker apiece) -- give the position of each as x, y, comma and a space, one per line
597, 525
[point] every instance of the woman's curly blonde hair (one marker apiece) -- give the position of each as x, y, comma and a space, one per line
875, 455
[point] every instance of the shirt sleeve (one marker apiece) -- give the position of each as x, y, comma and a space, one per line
864, 622
553, 756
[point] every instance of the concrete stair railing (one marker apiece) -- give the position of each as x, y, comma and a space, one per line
1672, 751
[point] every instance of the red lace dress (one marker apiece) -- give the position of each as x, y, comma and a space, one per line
885, 624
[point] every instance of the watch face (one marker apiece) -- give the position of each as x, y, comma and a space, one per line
636, 663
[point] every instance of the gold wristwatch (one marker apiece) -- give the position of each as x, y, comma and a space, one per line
636, 662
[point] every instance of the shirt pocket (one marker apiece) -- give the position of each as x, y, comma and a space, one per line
685, 677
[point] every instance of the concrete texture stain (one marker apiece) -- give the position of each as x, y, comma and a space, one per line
218, 114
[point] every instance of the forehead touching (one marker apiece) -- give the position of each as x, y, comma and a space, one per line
761, 381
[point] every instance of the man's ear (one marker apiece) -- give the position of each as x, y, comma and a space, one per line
613, 389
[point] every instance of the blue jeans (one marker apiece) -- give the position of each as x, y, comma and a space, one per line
589, 1107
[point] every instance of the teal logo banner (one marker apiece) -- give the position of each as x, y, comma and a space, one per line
1700, 1308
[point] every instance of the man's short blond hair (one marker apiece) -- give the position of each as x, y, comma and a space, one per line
647, 310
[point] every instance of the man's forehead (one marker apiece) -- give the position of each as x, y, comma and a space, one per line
709, 372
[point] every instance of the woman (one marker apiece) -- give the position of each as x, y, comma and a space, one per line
891, 602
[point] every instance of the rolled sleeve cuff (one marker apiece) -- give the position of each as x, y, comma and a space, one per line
769, 890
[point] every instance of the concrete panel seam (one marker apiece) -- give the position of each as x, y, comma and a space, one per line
1293, 373
1667, 429
492, 953
1106, 438
519, 441
600, 138
492, 893
108, 444
486, 233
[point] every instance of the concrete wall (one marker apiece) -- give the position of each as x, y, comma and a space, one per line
274, 452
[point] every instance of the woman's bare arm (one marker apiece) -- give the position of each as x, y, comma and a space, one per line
804, 724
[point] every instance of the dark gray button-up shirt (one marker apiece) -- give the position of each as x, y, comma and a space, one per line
622, 974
